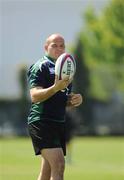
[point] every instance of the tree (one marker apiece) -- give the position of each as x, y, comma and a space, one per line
81, 83
103, 41
100, 57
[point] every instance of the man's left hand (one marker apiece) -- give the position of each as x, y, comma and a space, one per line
74, 100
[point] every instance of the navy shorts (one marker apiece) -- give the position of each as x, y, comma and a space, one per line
47, 135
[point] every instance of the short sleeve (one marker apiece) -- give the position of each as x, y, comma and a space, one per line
36, 76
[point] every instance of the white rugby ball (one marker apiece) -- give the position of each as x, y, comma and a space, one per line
65, 66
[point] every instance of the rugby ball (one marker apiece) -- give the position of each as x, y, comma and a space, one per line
65, 66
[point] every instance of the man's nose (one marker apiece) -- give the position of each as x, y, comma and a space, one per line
60, 48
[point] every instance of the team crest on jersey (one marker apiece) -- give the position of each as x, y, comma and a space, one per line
52, 70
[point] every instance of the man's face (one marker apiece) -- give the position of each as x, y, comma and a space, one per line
55, 47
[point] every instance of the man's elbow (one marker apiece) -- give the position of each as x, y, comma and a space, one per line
34, 98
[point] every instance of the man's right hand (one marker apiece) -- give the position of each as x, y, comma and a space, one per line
61, 84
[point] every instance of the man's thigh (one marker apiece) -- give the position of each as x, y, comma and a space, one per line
54, 156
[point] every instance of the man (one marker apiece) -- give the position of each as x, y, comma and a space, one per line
46, 121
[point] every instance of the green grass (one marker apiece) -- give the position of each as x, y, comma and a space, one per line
92, 159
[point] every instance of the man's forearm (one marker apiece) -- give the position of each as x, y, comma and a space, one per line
39, 94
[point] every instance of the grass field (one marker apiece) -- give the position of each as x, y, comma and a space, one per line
92, 159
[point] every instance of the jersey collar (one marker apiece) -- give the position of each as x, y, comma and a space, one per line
51, 59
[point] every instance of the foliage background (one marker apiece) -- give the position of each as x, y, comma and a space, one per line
100, 58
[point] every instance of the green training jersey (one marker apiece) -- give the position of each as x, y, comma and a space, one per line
42, 73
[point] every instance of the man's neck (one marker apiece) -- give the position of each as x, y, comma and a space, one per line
52, 59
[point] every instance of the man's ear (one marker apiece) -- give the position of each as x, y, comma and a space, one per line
45, 47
